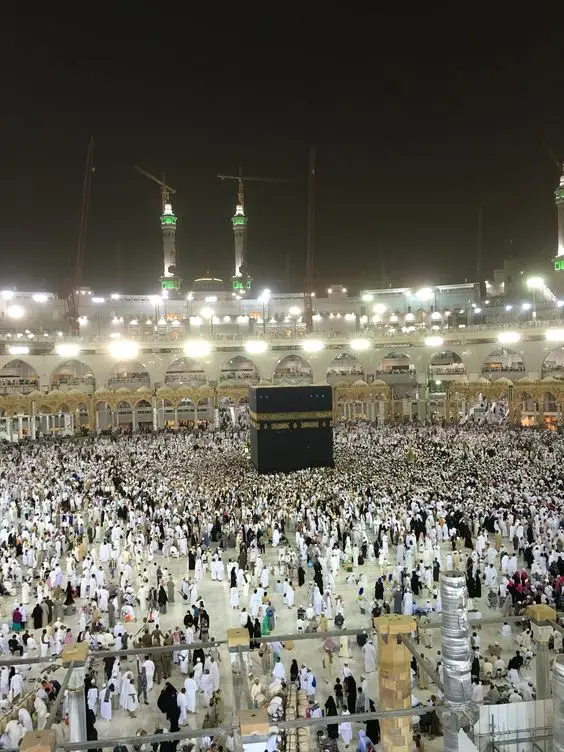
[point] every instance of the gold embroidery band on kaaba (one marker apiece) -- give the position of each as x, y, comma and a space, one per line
268, 417
284, 425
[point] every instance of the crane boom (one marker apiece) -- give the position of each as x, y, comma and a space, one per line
166, 190
260, 180
72, 299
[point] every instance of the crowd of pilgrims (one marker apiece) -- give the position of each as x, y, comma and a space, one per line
88, 527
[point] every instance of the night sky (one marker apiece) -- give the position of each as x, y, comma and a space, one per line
417, 119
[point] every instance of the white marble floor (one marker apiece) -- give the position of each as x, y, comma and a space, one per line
216, 598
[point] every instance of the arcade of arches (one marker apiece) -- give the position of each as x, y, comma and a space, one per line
396, 392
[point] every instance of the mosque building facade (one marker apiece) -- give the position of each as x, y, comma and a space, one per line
490, 351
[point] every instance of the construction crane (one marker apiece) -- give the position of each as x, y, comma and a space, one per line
166, 190
308, 297
169, 280
241, 279
72, 298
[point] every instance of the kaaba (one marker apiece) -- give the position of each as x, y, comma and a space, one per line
291, 427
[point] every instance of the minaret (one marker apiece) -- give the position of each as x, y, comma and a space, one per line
169, 280
559, 199
241, 279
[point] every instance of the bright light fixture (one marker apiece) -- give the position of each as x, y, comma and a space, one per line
133, 322
7, 294
360, 344
40, 297
264, 297
508, 338
535, 283
368, 297
98, 300
256, 346
434, 341
115, 296
560, 303
436, 316
206, 312
294, 311
154, 299
409, 317
379, 308
16, 312
18, 350
508, 307
554, 335
123, 350
67, 349
312, 345
425, 293
525, 306
210, 299
197, 349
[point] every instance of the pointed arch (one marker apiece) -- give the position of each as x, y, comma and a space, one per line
345, 368
503, 362
129, 375
293, 370
185, 372
553, 364
18, 377
73, 374
239, 370
396, 362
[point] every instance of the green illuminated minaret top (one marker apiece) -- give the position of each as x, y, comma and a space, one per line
169, 280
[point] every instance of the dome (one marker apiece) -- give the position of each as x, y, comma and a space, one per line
378, 382
164, 391
208, 284
35, 394
504, 380
102, 390
144, 390
123, 390
74, 390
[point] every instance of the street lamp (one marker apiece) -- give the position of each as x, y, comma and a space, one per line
264, 297
534, 284
207, 313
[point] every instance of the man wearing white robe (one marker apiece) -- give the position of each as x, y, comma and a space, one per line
191, 688
279, 672
214, 673
105, 697
182, 702
149, 667
369, 658
290, 595
206, 685
92, 699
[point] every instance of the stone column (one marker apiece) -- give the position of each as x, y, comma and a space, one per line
32, 424
558, 703
394, 661
539, 615
77, 652
456, 654
133, 418
20, 427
